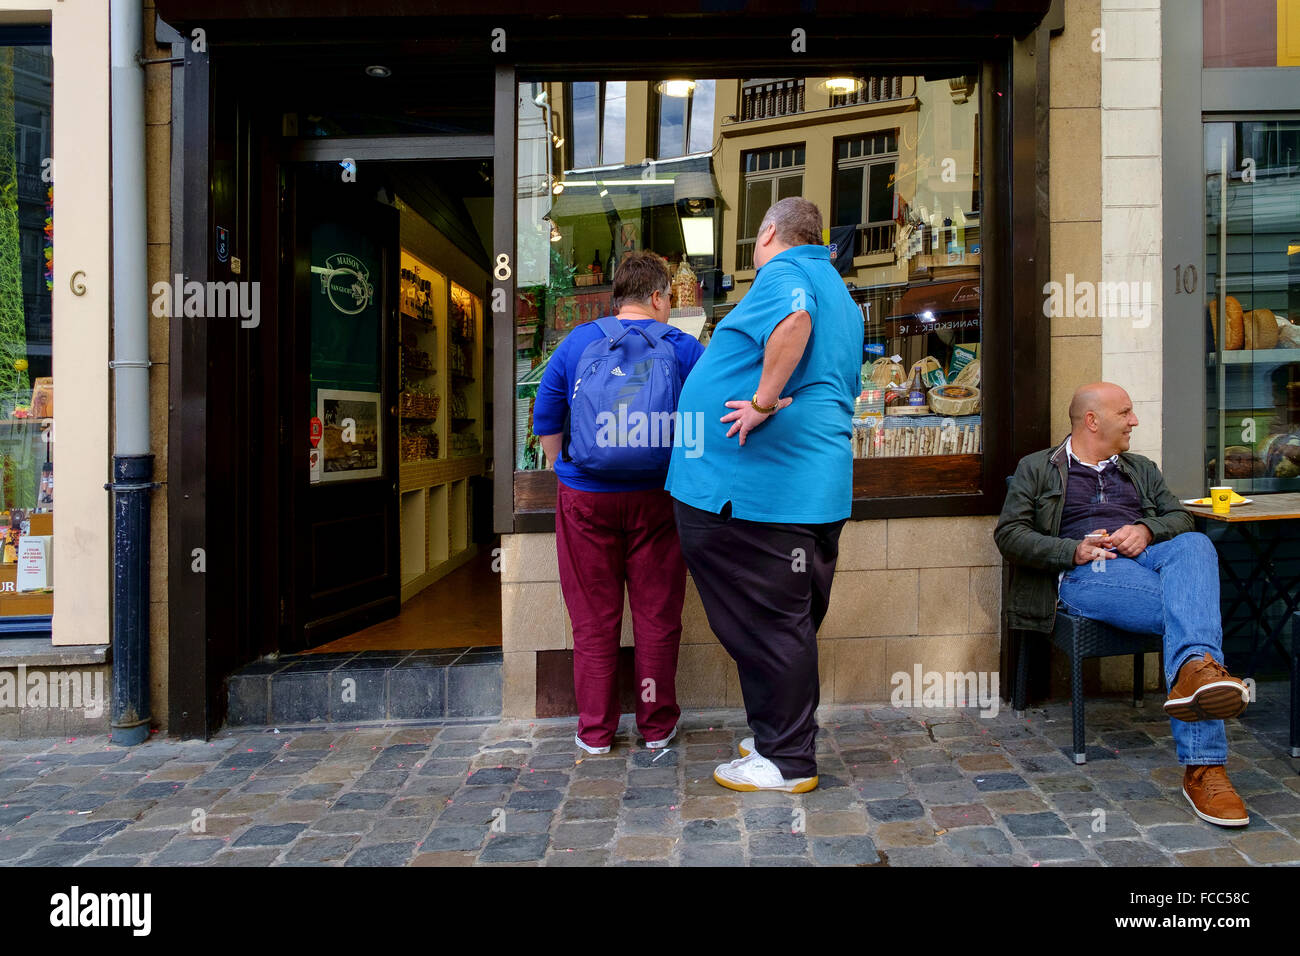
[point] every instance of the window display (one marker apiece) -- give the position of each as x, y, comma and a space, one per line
1252, 284
26, 346
893, 162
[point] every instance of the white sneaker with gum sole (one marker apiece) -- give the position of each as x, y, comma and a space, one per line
756, 772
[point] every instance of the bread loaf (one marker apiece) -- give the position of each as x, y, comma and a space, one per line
1234, 336
1261, 329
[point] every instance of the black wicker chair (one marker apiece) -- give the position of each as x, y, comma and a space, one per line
1080, 638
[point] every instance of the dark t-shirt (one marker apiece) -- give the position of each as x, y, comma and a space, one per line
1098, 499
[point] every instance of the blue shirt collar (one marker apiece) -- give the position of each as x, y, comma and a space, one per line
803, 252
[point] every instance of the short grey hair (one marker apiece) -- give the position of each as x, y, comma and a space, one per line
798, 222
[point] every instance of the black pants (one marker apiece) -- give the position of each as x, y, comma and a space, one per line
765, 588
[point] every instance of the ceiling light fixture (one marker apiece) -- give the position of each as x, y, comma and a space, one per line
677, 88
378, 71
841, 85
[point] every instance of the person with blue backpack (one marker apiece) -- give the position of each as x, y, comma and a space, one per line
606, 415
760, 511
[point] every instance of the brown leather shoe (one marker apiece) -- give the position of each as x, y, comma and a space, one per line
1204, 690
1209, 791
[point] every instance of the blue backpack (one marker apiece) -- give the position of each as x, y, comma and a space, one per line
623, 410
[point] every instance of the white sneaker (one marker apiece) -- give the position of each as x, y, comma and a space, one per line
746, 746
591, 750
657, 744
756, 772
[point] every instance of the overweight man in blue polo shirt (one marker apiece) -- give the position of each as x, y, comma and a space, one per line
759, 511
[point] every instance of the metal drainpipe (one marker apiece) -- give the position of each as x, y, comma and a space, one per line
132, 462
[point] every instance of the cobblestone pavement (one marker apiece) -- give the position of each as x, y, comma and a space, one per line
898, 788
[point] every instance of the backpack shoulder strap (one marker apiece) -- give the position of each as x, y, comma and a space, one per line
657, 330
611, 326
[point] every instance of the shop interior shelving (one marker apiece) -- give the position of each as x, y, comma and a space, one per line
435, 509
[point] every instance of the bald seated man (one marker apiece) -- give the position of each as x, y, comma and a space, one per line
1091, 528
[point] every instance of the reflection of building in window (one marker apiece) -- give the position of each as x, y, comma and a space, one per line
770, 175
685, 117
597, 123
761, 99
864, 89
864, 189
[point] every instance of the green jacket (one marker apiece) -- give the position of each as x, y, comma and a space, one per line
1028, 530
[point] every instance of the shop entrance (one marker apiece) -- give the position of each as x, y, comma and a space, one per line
389, 364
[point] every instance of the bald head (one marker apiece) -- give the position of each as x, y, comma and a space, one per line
1101, 418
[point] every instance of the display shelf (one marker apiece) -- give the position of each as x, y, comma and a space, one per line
1258, 357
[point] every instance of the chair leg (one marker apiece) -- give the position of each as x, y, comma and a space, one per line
1139, 678
1295, 685
1021, 689
1076, 705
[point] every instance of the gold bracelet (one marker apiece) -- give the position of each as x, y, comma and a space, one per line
768, 410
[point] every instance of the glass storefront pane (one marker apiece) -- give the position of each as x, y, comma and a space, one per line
26, 340
909, 249
614, 137
702, 117
586, 132
1252, 275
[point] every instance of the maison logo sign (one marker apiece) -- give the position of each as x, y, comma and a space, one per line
345, 281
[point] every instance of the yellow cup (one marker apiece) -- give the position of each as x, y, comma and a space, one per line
1221, 500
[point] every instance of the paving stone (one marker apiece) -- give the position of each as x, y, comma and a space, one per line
844, 851
1130, 853
1073, 801
603, 808
1272, 847
920, 856
1279, 803
1059, 783
315, 791
514, 849
905, 833
657, 821
382, 854
136, 842
993, 782
581, 858
1035, 825
584, 835
321, 849
1015, 801
888, 811
597, 787
1186, 836
1146, 813
542, 780
188, 850
92, 832
1047, 849
1125, 790
454, 838
644, 848
958, 791
638, 797
535, 800
935, 773
712, 831
444, 858
712, 854
977, 841
474, 814
776, 843
968, 815
270, 835
984, 762
368, 800
881, 789
1220, 856
495, 795
113, 862
57, 854
356, 822
532, 821
1044, 763
836, 822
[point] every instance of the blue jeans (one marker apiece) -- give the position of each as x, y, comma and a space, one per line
1171, 588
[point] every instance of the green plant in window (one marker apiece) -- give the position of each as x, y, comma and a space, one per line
15, 387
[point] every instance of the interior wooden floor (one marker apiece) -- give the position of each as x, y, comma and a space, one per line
461, 610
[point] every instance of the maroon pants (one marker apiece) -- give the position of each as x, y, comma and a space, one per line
606, 540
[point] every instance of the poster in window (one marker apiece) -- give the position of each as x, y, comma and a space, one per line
351, 444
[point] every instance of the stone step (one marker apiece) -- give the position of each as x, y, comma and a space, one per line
356, 687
